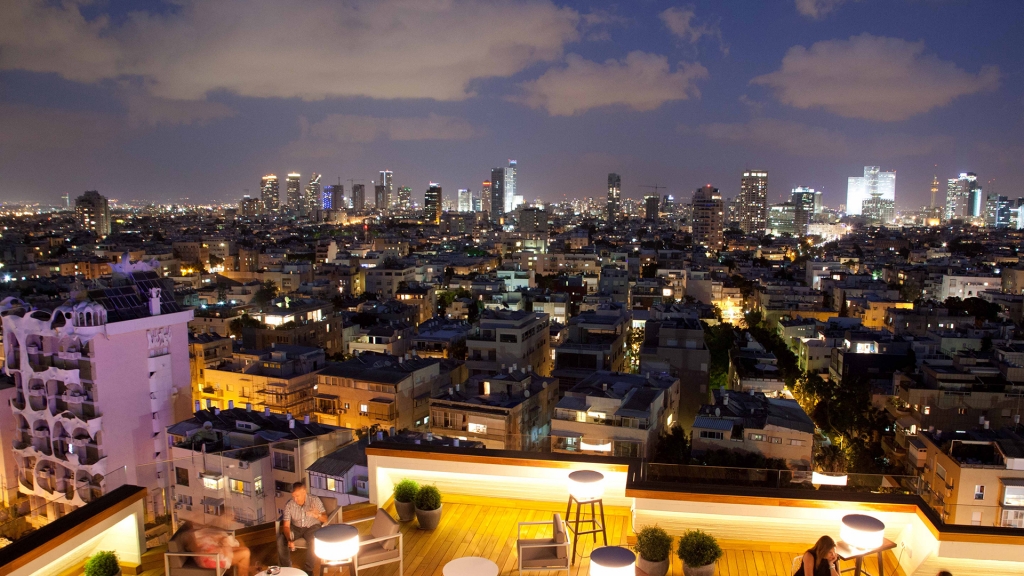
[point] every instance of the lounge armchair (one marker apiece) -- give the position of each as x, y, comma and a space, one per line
383, 545
332, 510
178, 561
544, 553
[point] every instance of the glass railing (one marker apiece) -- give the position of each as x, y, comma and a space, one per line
776, 479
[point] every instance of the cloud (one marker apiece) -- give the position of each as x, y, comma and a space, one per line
144, 110
680, 22
802, 140
32, 129
641, 81
873, 78
817, 9
276, 49
349, 129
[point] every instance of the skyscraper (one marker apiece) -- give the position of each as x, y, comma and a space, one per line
997, 211
668, 204
380, 197
708, 216
512, 198
497, 193
311, 200
387, 179
614, 196
269, 193
358, 196
804, 200
934, 191
651, 207
294, 191
465, 200
874, 183
754, 202
485, 197
93, 212
333, 197
405, 197
432, 203
961, 196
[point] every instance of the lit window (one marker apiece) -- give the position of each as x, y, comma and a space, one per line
212, 483
477, 428
927, 410
979, 492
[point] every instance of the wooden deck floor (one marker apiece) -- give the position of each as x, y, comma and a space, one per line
488, 528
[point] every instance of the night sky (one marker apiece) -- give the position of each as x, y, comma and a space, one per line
163, 101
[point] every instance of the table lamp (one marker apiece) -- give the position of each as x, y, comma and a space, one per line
336, 544
612, 561
586, 485
861, 531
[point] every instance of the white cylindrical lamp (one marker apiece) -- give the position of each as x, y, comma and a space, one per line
586, 485
862, 531
337, 543
612, 561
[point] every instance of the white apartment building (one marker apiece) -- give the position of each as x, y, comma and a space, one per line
963, 287
96, 383
385, 281
504, 339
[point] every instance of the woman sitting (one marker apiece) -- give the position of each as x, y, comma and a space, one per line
212, 540
820, 560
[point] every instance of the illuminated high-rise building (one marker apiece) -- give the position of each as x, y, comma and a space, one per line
465, 200
873, 184
358, 196
380, 197
311, 199
668, 204
432, 203
805, 200
753, 216
93, 212
512, 198
269, 193
485, 197
614, 206
497, 193
294, 191
404, 197
333, 197
963, 196
387, 180
708, 218
997, 211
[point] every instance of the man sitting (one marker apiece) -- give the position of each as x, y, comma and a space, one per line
304, 514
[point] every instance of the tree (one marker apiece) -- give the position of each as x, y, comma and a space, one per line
649, 270
673, 447
238, 325
266, 294
832, 458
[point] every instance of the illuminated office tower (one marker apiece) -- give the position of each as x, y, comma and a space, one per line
512, 198
874, 184
497, 193
404, 197
387, 180
294, 191
476, 202
485, 197
668, 205
93, 212
754, 202
358, 196
804, 201
465, 200
997, 211
961, 194
708, 218
614, 197
333, 197
311, 200
269, 193
432, 203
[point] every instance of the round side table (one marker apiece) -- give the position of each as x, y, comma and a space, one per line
285, 571
470, 566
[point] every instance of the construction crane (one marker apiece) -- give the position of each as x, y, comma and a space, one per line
656, 188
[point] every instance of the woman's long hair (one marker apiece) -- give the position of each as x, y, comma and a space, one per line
821, 548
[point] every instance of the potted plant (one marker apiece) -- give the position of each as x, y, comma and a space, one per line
653, 546
699, 551
405, 496
102, 564
428, 507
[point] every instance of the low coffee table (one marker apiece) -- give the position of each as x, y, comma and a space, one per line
285, 571
470, 566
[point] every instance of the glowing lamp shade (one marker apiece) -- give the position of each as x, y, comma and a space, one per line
863, 532
612, 561
337, 543
586, 485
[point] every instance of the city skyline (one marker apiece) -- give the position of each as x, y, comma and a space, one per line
729, 87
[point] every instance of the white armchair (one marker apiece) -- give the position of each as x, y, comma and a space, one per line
544, 553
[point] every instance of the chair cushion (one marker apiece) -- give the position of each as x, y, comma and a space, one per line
174, 545
300, 542
542, 557
373, 553
330, 504
559, 536
385, 525
190, 569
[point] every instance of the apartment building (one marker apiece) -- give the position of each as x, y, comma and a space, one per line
975, 477
215, 319
423, 296
615, 282
615, 414
754, 423
506, 411
676, 346
440, 338
206, 351
872, 355
235, 468
296, 323
96, 380
920, 320
280, 378
377, 390
386, 280
596, 341
506, 338
754, 369
388, 338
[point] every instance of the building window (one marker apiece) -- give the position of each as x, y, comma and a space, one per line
927, 410
975, 518
181, 476
961, 411
363, 409
332, 485
284, 461
212, 483
257, 485
940, 471
775, 440
239, 486
477, 428
710, 435
797, 442
508, 338
979, 492
756, 437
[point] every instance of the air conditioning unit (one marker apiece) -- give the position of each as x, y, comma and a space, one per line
243, 465
177, 505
